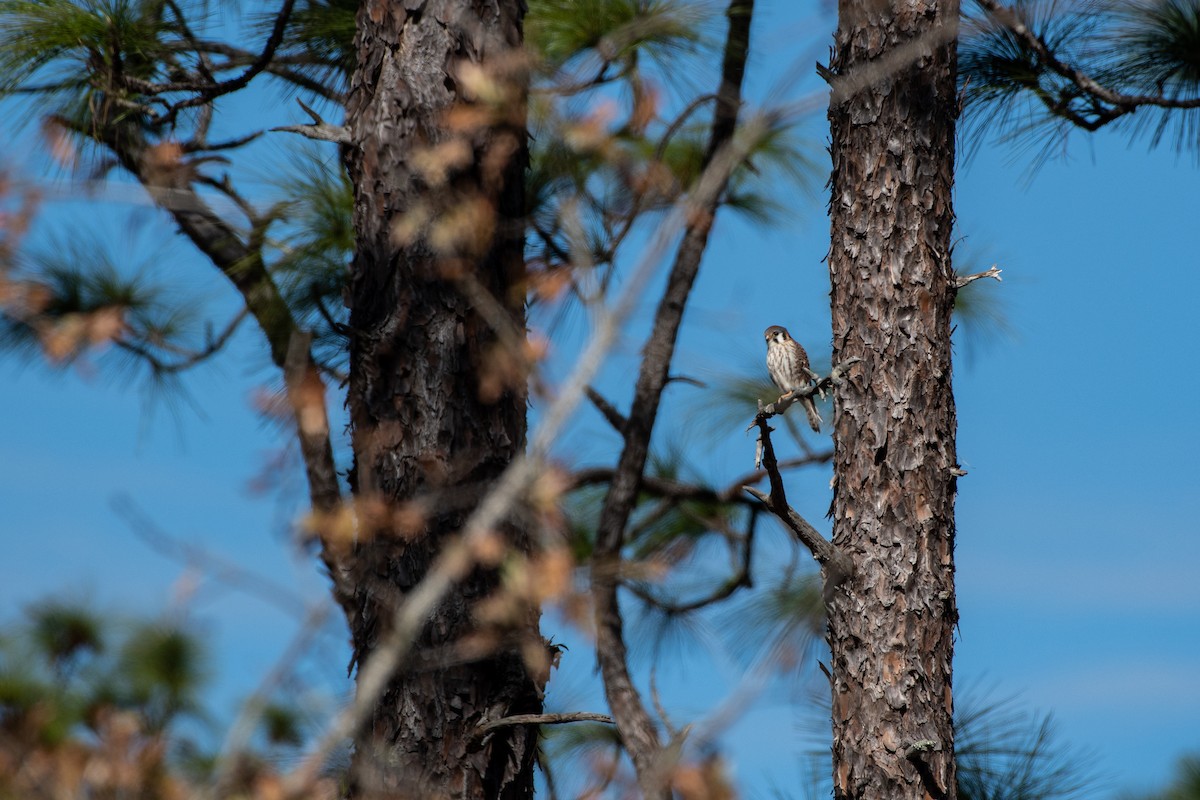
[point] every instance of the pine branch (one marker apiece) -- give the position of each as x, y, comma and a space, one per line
1118, 103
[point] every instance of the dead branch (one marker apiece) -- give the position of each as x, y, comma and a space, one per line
836, 566
319, 129
964, 280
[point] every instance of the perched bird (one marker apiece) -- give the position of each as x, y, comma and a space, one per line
788, 365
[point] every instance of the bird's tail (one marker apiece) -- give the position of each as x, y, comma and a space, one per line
814, 416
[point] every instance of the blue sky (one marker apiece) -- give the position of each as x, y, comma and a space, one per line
1078, 548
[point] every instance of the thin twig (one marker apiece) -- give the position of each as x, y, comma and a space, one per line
189, 360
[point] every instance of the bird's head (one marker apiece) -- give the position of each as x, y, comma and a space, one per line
776, 334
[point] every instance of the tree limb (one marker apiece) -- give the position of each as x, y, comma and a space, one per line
836, 566
209, 93
637, 729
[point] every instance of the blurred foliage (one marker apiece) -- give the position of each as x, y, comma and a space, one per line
155, 669
614, 32
323, 30
1185, 784
93, 706
68, 43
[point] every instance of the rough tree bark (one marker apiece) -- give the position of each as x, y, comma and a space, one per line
435, 415
892, 117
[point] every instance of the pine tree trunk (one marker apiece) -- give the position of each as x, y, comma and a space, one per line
437, 404
892, 117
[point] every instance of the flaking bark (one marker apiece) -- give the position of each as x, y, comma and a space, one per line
421, 426
891, 622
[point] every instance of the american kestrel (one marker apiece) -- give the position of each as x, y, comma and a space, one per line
788, 365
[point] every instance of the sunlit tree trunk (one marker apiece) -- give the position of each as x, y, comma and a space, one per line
437, 399
891, 623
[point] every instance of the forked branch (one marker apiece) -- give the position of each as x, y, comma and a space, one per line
836, 566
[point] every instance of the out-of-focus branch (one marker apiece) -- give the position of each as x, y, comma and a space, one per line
208, 94
544, 719
220, 569
741, 579
251, 711
459, 556
188, 360
167, 178
637, 729
614, 417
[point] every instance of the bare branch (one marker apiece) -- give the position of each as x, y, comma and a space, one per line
236, 57
963, 280
739, 580
198, 146
835, 565
543, 719
614, 417
319, 129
